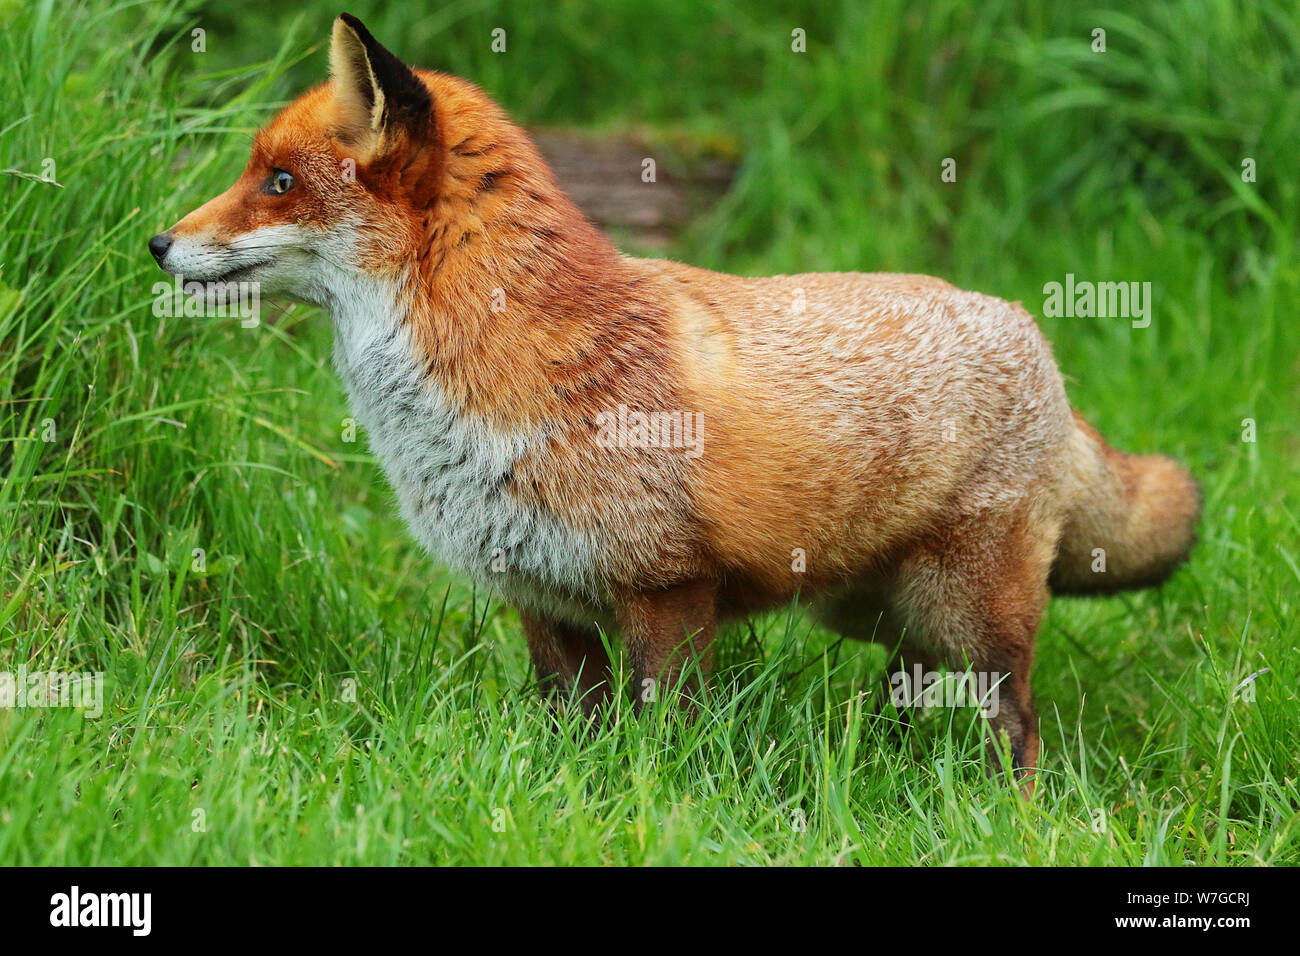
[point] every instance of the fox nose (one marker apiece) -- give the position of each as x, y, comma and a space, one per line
159, 245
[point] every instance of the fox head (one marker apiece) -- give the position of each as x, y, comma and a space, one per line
380, 171
401, 197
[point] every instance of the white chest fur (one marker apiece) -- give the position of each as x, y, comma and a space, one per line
448, 469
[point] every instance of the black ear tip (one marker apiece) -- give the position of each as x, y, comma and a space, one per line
359, 28
403, 88
353, 22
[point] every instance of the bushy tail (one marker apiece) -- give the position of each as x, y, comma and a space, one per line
1130, 521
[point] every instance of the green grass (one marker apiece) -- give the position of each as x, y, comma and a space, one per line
228, 686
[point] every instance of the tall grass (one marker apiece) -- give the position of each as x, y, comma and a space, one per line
289, 680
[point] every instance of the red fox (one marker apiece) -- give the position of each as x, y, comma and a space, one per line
636, 445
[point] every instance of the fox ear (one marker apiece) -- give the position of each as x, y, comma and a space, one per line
379, 94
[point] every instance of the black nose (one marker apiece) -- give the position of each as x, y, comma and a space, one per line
159, 245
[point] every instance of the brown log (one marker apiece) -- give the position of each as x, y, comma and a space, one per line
603, 174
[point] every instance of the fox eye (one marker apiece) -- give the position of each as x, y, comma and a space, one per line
279, 183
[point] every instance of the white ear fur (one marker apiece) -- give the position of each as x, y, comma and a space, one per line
355, 85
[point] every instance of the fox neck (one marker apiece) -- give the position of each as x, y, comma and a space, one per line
512, 305
494, 336
517, 300
449, 468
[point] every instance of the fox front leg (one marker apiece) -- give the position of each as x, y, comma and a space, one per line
571, 661
665, 630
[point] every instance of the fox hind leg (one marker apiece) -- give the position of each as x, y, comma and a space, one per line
973, 596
